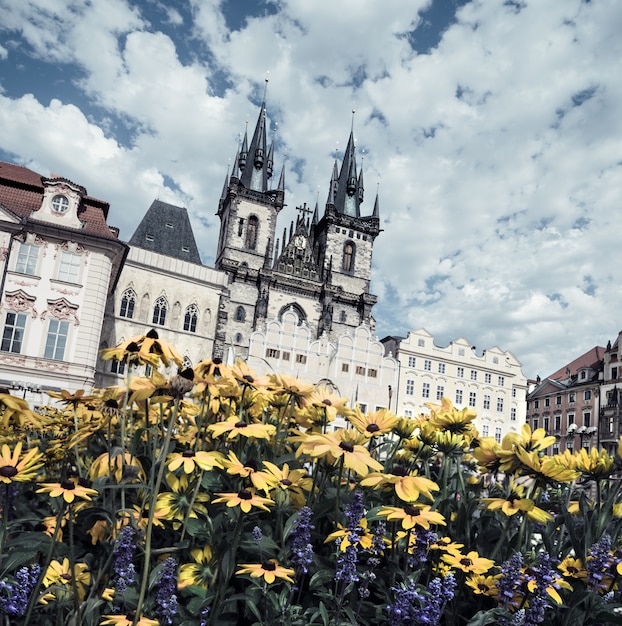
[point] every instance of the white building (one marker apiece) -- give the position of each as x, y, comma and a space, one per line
60, 260
491, 383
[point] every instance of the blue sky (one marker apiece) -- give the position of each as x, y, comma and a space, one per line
493, 129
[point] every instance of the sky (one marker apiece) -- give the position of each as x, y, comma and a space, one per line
491, 129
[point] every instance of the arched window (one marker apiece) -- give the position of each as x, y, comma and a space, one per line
159, 311
191, 318
348, 257
240, 314
251, 232
128, 300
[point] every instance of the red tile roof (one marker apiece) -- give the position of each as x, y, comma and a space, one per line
591, 359
21, 192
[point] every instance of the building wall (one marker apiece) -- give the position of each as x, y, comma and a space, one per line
491, 383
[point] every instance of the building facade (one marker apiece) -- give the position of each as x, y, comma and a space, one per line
490, 383
567, 403
60, 262
610, 413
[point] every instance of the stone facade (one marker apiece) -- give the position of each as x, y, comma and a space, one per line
491, 383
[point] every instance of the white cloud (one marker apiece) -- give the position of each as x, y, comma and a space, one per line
498, 153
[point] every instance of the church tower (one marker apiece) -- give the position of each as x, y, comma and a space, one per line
320, 269
343, 245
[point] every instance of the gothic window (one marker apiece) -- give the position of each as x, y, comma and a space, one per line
191, 318
251, 232
13, 333
56, 340
117, 367
348, 257
128, 301
159, 311
240, 314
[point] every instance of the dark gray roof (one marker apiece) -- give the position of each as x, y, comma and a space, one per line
166, 229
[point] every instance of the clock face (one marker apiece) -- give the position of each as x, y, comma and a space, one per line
300, 242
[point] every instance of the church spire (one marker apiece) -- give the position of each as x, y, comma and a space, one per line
255, 173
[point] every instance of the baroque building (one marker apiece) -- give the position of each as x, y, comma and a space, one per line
491, 383
60, 262
320, 267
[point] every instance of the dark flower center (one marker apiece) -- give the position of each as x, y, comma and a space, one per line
346, 446
251, 464
248, 378
188, 454
269, 566
327, 402
66, 576
466, 562
399, 471
187, 373
287, 482
217, 361
68, 485
8, 471
111, 404
571, 569
373, 428
245, 494
241, 425
132, 347
411, 510
482, 587
152, 334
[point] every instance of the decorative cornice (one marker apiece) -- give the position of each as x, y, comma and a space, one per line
61, 309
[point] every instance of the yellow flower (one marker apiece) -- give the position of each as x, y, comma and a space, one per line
366, 539
174, 504
334, 447
268, 570
125, 468
68, 489
233, 427
245, 499
471, 563
515, 503
483, 585
405, 427
237, 468
594, 464
373, 424
67, 398
199, 573
190, 460
573, 568
292, 481
61, 574
16, 410
412, 515
408, 486
127, 620
300, 391
17, 467
247, 377
446, 417
545, 467
147, 349
328, 403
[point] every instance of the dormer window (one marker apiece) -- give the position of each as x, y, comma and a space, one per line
60, 204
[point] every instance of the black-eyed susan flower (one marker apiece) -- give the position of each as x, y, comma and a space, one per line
68, 489
515, 502
300, 391
199, 573
328, 403
447, 418
483, 585
408, 485
235, 467
62, 574
268, 570
365, 539
374, 424
15, 411
471, 563
233, 427
333, 447
123, 467
412, 515
18, 467
247, 377
189, 460
147, 349
573, 568
127, 620
544, 467
275, 477
594, 464
246, 499
175, 504
71, 399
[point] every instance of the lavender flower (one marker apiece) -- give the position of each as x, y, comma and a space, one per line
123, 554
355, 511
544, 577
510, 581
300, 540
421, 539
347, 559
257, 534
414, 607
14, 597
165, 587
599, 563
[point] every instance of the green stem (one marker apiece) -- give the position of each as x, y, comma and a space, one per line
152, 508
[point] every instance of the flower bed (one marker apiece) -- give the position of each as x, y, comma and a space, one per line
219, 497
